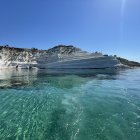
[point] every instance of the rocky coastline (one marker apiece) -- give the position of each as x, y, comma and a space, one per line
11, 57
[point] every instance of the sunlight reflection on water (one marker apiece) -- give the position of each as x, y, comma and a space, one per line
70, 104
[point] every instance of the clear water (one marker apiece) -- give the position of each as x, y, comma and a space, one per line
70, 105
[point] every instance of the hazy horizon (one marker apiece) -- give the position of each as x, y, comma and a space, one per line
108, 26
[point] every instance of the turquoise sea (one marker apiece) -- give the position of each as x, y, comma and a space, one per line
70, 104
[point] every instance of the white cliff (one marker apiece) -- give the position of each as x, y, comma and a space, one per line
69, 57
58, 57
13, 57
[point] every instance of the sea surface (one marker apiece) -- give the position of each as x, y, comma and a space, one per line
70, 104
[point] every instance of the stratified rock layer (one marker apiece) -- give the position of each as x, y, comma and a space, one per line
11, 57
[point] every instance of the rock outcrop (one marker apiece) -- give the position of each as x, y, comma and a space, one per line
63, 49
128, 63
10, 57
19, 57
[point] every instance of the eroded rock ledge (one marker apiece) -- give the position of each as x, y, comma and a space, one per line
11, 56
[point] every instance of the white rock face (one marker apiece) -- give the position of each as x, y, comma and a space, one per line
57, 57
13, 57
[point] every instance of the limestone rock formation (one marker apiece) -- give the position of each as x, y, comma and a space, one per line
11, 57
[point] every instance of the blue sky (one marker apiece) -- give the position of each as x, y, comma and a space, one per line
109, 26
